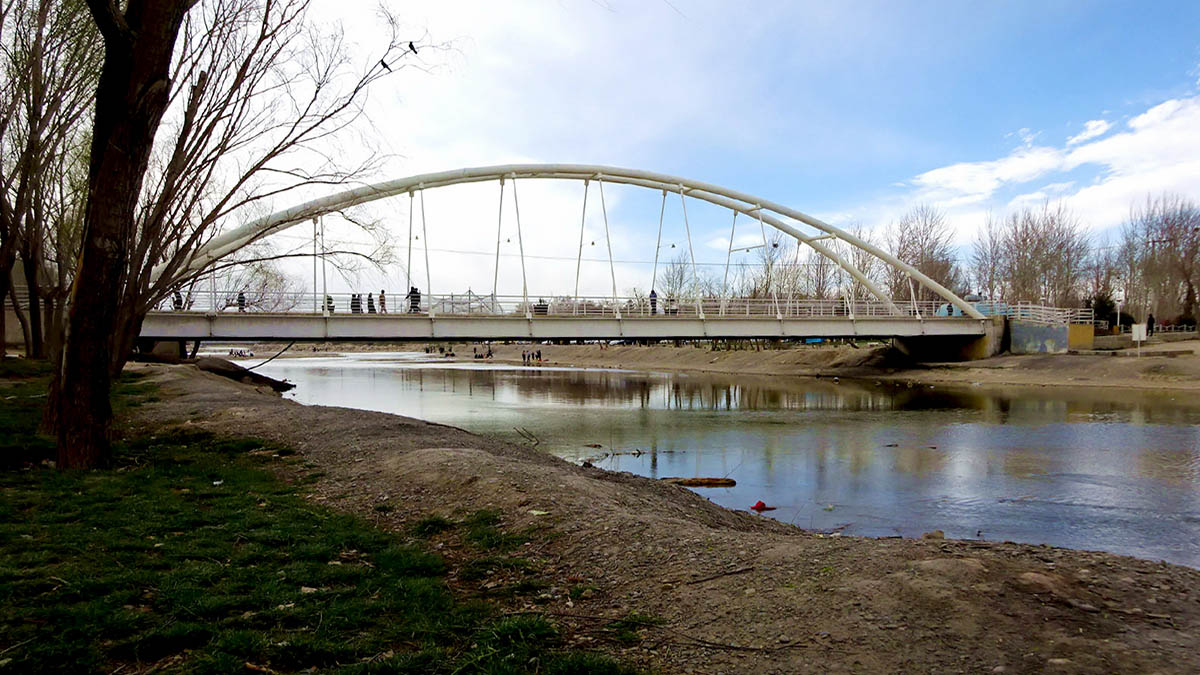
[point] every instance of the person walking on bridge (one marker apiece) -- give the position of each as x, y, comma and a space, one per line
653, 302
382, 302
370, 303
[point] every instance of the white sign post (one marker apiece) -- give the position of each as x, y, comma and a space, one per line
1138, 333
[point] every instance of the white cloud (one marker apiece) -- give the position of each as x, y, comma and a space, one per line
1157, 151
971, 182
1091, 129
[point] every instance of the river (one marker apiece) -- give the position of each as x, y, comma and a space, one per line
1092, 469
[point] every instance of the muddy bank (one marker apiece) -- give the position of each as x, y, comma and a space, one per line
739, 593
1180, 370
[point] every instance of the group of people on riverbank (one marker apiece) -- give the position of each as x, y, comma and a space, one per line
530, 357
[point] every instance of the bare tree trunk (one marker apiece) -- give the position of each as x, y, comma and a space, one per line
5, 284
20, 314
132, 95
33, 345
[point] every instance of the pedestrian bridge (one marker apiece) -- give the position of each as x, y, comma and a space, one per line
488, 318
852, 304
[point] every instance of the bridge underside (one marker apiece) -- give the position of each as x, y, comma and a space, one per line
405, 328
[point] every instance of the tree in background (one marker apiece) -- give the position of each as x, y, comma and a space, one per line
923, 239
264, 94
1160, 254
866, 262
986, 260
49, 66
675, 278
820, 276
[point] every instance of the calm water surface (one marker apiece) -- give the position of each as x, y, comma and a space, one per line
1114, 471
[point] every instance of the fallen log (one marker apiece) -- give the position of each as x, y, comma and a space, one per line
701, 482
233, 371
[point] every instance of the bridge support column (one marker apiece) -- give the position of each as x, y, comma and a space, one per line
958, 348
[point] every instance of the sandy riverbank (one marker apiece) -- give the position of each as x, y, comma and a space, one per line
739, 593
1178, 372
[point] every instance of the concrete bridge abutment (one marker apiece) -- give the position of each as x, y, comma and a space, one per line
958, 347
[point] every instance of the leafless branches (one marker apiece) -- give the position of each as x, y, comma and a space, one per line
923, 239
1159, 256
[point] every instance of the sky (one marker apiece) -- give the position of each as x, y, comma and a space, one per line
850, 111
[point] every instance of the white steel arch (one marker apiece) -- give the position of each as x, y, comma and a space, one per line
771, 213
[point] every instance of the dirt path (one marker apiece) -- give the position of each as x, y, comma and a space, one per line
739, 593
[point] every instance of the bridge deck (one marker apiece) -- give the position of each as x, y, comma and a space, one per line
409, 327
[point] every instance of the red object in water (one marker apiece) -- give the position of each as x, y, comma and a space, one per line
760, 506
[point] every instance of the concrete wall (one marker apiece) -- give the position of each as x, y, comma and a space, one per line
933, 348
1037, 338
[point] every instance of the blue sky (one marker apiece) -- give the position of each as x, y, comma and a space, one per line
850, 111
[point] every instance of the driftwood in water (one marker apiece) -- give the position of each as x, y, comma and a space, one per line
233, 371
701, 482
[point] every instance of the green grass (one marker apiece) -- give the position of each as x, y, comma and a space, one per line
21, 404
628, 630
23, 368
431, 525
190, 555
483, 530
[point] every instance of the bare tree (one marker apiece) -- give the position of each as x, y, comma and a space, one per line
1101, 279
987, 260
267, 96
922, 238
820, 276
49, 64
675, 277
871, 267
1161, 249
1044, 256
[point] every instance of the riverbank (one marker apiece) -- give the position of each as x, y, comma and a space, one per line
1120, 369
715, 590
187, 556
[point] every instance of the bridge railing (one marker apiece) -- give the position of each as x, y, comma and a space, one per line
471, 304
1026, 311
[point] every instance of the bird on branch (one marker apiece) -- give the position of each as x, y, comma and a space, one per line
412, 47
385, 65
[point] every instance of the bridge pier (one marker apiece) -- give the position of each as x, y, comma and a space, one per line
958, 347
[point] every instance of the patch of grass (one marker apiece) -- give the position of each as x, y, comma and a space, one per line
483, 531
627, 631
481, 568
577, 592
189, 554
21, 404
23, 368
517, 644
521, 588
431, 525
